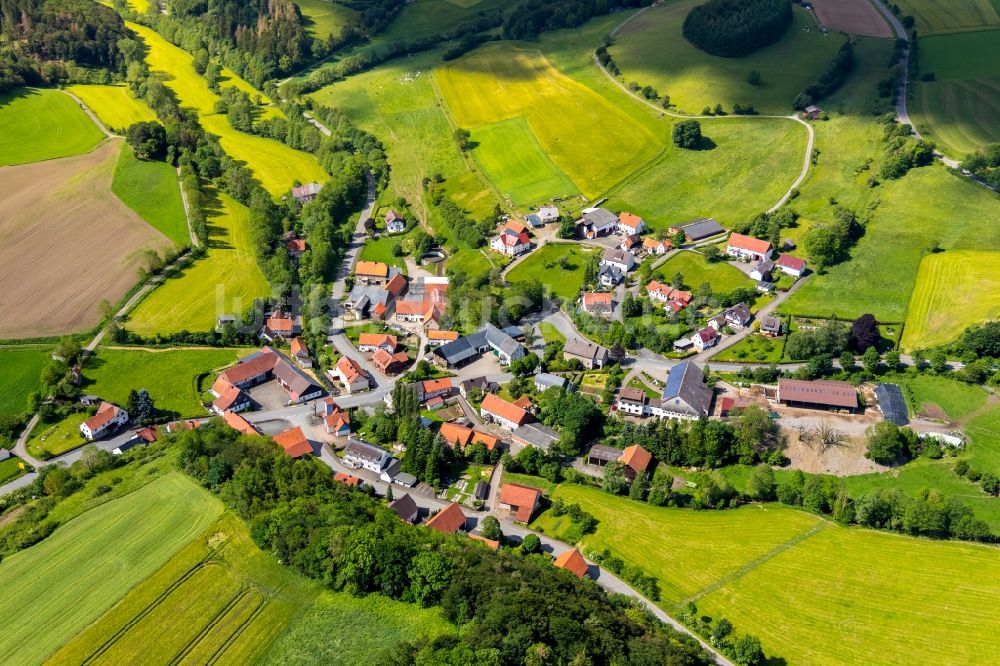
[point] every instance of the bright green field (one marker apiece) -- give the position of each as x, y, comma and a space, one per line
652, 51
220, 597
67, 581
53, 439
697, 271
511, 157
952, 291
324, 18
169, 376
381, 250
38, 124
894, 599
273, 163
543, 265
591, 140
229, 272
953, 15
956, 398
22, 367
550, 333
334, 630
114, 105
152, 191
10, 469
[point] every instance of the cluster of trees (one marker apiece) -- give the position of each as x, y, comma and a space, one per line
351, 542
635, 575
574, 415
979, 341
768, 226
735, 28
902, 151
530, 18
687, 134
830, 80
829, 339
989, 481
827, 243
985, 164
888, 444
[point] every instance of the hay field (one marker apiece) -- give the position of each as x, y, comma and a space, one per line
42, 124
855, 17
152, 190
652, 51
224, 281
814, 592
22, 370
953, 290
543, 265
114, 105
69, 243
58, 587
590, 139
273, 163
324, 18
934, 16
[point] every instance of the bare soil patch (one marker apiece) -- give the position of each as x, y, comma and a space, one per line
855, 17
69, 243
845, 458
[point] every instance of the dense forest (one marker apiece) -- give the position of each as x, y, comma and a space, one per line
532, 17
735, 28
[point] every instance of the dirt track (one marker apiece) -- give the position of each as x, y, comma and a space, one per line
68, 243
855, 17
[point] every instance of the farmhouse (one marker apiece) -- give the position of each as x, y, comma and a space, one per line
545, 380
705, 338
770, 326
572, 561
748, 248
434, 388
293, 441
371, 342
630, 242
790, 265
394, 222
520, 500
653, 246
368, 302
389, 364
497, 410
630, 224
264, 365
280, 326
510, 243
448, 520
336, 420
685, 395
350, 373
615, 257
405, 508
372, 272
417, 312
675, 299
597, 303
761, 270
363, 455
591, 355
632, 401
436, 338
239, 424
108, 418
596, 222
817, 394
600, 455
470, 347
548, 214
300, 352
233, 399
306, 193
637, 461
537, 435
696, 230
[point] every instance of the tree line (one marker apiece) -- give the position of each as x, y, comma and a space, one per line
735, 28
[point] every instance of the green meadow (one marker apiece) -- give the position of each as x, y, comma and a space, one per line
151, 189
41, 124
22, 369
324, 17
697, 271
543, 265
933, 16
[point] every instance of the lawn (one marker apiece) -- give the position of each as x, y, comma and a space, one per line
151, 189
528, 480
895, 599
43, 125
381, 250
172, 377
114, 105
53, 439
954, 15
224, 281
652, 51
220, 597
697, 271
543, 265
571, 123
273, 163
63, 584
22, 368
957, 399
323, 18
953, 290
753, 348
336, 629
10, 469
511, 157
550, 333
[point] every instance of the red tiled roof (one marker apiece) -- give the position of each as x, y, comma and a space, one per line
748, 243
597, 298
299, 348
449, 520
524, 402
411, 307
788, 261
372, 269
490, 543
294, 442
148, 434
628, 219
238, 423
104, 414
336, 420
652, 243
347, 479
350, 369
396, 285
515, 226
523, 499
434, 385
259, 365
377, 339
448, 336
826, 392
505, 410
655, 287
453, 433
227, 399
707, 334
637, 458
573, 561
487, 440
296, 245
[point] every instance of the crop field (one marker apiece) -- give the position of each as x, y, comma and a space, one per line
59, 586
652, 51
42, 125
324, 17
273, 163
224, 281
22, 368
953, 290
855, 17
151, 189
572, 123
895, 599
170, 375
951, 16
510, 156
697, 271
62, 215
333, 630
543, 265
220, 598
114, 105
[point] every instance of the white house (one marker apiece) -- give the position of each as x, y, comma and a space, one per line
366, 456
761, 270
350, 373
738, 316
545, 380
372, 342
705, 338
653, 246
510, 243
107, 419
394, 222
621, 259
609, 276
501, 412
748, 248
596, 222
685, 395
790, 265
548, 214
629, 224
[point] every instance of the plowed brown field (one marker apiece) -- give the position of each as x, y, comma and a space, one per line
855, 17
